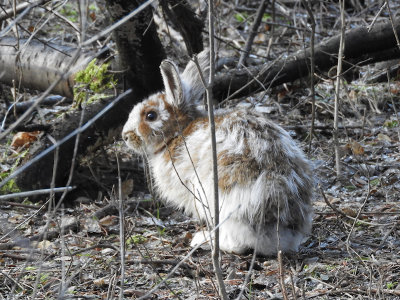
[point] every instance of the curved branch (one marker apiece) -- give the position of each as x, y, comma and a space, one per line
361, 47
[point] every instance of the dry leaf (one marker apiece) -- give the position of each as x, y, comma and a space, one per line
260, 38
108, 221
91, 225
353, 95
23, 140
16, 219
384, 137
101, 282
92, 16
349, 211
127, 188
45, 244
355, 148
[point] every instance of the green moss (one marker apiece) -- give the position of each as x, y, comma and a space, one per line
70, 12
391, 285
241, 17
375, 182
350, 187
136, 239
266, 17
11, 187
391, 124
92, 82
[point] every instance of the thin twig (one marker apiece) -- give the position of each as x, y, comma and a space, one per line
357, 218
312, 60
293, 287
337, 89
341, 213
391, 22
376, 17
8, 13
253, 260
37, 192
393, 104
282, 276
252, 34
121, 230
209, 93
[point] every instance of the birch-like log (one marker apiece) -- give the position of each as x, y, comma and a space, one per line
36, 64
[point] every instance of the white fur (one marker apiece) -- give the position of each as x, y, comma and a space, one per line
268, 212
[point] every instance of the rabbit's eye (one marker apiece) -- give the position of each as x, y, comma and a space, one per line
151, 116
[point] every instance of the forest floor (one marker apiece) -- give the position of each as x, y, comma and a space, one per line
352, 253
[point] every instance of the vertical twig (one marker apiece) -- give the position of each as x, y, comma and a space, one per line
272, 31
253, 260
252, 35
391, 21
387, 72
121, 230
82, 8
282, 276
339, 71
293, 287
393, 104
215, 252
312, 58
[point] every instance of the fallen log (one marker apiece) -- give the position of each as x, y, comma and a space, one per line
362, 47
36, 64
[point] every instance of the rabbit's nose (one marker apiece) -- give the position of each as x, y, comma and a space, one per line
131, 139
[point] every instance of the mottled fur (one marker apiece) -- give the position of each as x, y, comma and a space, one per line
265, 182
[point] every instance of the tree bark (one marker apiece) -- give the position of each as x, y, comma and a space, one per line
186, 22
37, 64
140, 56
140, 50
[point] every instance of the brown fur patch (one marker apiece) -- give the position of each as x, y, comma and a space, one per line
236, 169
144, 129
200, 122
191, 128
170, 152
153, 102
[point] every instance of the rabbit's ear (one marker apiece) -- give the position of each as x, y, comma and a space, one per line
191, 77
172, 82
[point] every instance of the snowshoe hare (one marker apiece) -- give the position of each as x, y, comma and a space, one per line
265, 182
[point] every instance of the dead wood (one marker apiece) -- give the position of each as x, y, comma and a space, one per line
21, 107
139, 48
49, 235
140, 54
33, 127
8, 13
110, 209
186, 22
362, 48
36, 64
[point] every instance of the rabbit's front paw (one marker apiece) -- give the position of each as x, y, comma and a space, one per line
200, 238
